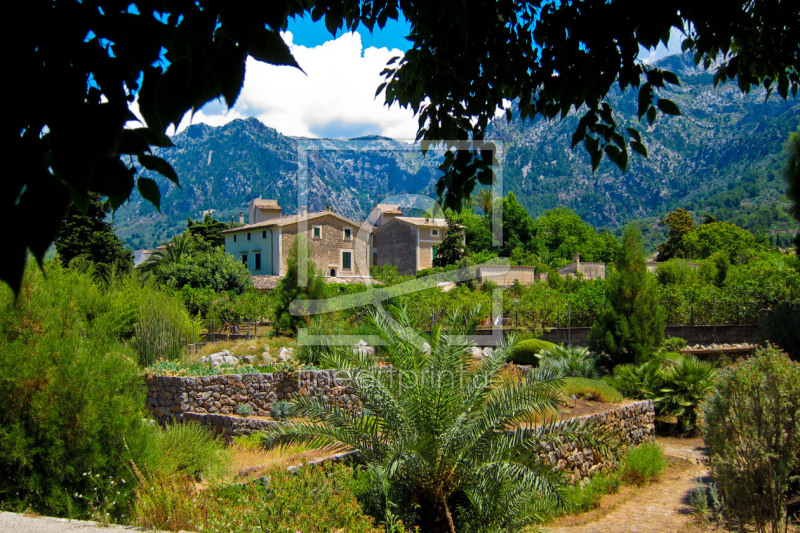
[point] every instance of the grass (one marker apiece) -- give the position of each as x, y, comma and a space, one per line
642, 463
591, 389
191, 450
639, 464
254, 346
310, 500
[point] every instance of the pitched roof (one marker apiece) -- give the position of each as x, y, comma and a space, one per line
266, 204
424, 222
291, 220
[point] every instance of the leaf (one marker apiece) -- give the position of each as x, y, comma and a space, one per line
159, 165
267, 46
668, 107
651, 114
671, 77
633, 132
639, 148
149, 191
645, 99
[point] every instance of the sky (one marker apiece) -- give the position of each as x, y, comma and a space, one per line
335, 95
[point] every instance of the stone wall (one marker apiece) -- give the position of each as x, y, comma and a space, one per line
169, 398
692, 334
631, 424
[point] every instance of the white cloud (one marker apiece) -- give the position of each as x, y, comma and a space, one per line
336, 93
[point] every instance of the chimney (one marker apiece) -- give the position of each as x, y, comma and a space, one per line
303, 210
577, 259
241, 218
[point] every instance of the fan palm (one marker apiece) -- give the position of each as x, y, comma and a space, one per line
569, 361
447, 440
484, 199
180, 246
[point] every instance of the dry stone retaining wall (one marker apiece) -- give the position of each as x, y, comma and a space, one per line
170, 397
631, 424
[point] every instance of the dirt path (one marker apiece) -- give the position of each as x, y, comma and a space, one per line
661, 506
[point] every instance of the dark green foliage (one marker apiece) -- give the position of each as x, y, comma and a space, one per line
452, 249
782, 328
86, 235
525, 352
752, 430
209, 230
289, 290
215, 270
680, 223
71, 397
792, 176
632, 325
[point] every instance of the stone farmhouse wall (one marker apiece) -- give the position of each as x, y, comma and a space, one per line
170, 398
326, 250
396, 244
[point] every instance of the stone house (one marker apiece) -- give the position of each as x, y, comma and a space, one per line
410, 243
338, 246
583, 269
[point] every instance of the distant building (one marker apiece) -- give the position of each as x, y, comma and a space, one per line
409, 243
584, 270
337, 245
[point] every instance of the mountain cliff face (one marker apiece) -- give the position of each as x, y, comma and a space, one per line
724, 156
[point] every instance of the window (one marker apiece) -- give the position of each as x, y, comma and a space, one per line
244, 259
316, 232
248, 236
234, 237
348, 234
434, 232
264, 234
347, 260
258, 261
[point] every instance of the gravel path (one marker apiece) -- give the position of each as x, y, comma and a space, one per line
20, 523
662, 506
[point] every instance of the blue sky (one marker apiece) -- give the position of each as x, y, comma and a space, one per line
336, 96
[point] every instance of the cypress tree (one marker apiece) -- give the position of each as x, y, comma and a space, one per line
632, 324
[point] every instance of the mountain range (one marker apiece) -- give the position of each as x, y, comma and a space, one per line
723, 156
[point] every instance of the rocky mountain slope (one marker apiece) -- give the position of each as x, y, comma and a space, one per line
722, 156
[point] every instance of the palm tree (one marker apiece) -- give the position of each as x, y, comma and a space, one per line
447, 442
180, 246
485, 200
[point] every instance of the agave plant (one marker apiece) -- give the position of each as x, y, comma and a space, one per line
450, 445
570, 361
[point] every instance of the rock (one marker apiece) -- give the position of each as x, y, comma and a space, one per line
230, 360
285, 355
249, 359
363, 349
476, 352
426, 348
488, 352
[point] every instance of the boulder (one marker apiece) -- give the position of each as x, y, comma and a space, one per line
426, 348
476, 352
249, 359
488, 352
285, 355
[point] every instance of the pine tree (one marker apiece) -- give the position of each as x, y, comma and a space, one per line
632, 325
452, 248
88, 235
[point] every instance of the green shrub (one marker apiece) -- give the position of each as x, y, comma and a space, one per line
317, 499
571, 361
591, 389
243, 409
188, 450
524, 352
752, 430
674, 344
642, 463
686, 385
71, 399
162, 330
639, 382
